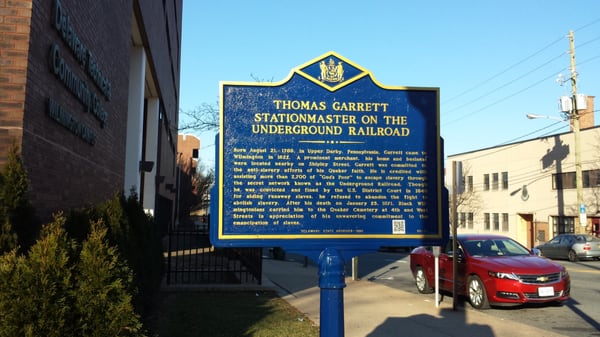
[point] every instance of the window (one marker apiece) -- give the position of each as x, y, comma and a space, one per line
486, 182
561, 181
486, 221
591, 178
470, 183
567, 180
470, 220
495, 181
505, 222
564, 224
504, 180
462, 219
496, 221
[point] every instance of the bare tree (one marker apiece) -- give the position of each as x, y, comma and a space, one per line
468, 201
203, 182
206, 116
203, 118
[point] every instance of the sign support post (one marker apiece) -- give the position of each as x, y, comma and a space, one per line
436, 255
332, 283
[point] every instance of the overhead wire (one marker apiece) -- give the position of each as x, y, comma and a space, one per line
536, 131
528, 87
529, 175
515, 79
506, 85
502, 72
500, 100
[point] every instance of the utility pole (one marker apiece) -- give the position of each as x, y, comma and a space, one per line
575, 124
454, 222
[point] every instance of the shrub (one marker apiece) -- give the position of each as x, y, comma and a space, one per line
20, 226
59, 289
35, 289
102, 298
11, 272
40, 291
8, 238
134, 234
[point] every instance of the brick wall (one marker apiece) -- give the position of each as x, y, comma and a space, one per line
14, 45
73, 155
186, 144
67, 171
586, 119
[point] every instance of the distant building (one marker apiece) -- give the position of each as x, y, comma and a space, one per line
188, 147
90, 95
187, 164
526, 190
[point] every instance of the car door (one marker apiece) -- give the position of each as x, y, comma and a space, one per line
565, 245
447, 257
446, 267
552, 248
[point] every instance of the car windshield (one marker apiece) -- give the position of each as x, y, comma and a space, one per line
494, 247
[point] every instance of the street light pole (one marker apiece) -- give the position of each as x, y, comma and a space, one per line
575, 124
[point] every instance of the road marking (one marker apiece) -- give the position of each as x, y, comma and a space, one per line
583, 270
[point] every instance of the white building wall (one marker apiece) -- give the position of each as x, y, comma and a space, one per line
135, 120
152, 122
531, 164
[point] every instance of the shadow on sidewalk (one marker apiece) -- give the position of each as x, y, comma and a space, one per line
452, 323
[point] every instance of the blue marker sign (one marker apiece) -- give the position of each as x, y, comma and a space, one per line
328, 158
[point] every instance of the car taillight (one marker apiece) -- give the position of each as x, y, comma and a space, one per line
587, 246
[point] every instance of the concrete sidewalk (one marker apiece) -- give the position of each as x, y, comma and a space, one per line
376, 310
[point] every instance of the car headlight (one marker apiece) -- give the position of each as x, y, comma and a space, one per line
501, 275
564, 273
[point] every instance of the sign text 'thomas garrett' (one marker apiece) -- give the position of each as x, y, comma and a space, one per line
328, 154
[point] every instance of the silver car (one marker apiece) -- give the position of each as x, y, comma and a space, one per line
571, 246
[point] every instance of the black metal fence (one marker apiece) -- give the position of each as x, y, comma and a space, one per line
190, 259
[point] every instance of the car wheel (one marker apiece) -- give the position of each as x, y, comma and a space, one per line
477, 294
572, 256
421, 282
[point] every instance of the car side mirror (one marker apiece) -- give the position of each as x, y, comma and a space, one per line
459, 255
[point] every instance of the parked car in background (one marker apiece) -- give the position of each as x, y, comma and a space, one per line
571, 246
492, 270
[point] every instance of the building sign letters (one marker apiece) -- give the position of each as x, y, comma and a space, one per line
73, 82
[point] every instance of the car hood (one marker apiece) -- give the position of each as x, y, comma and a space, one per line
525, 264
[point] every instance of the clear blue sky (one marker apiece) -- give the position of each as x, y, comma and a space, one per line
494, 61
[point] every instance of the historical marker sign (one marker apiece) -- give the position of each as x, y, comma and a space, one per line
328, 158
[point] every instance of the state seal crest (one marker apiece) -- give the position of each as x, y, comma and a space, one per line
331, 72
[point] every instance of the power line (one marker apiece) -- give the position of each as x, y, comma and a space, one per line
534, 132
505, 70
588, 24
516, 79
502, 99
510, 82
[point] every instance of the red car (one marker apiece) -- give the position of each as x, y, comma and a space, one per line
492, 270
